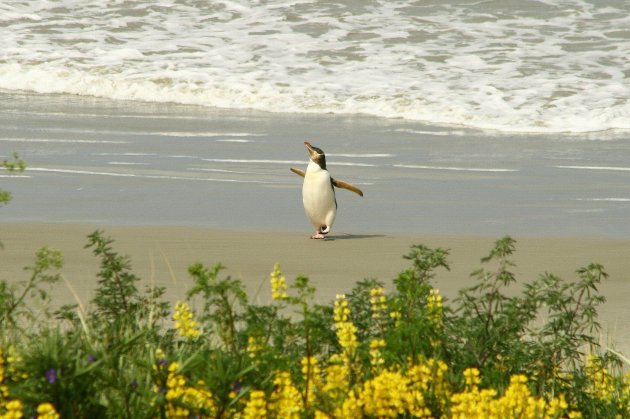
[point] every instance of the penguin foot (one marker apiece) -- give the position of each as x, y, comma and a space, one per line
318, 236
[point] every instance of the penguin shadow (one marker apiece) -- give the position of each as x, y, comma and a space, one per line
353, 236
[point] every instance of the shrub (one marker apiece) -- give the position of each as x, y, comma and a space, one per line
491, 352
16, 165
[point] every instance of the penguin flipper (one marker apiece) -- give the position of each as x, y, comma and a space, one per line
345, 185
299, 172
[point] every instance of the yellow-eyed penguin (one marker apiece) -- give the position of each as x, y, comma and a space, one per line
318, 192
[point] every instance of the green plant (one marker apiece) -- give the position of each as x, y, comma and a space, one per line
16, 165
494, 351
117, 299
22, 303
222, 302
413, 330
490, 327
544, 329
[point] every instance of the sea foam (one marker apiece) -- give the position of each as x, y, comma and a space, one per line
535, 66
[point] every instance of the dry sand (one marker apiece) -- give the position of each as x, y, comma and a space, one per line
161, 255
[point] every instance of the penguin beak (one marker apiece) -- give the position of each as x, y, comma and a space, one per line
312, 154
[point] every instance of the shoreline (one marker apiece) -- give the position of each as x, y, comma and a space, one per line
103, 161
161, 255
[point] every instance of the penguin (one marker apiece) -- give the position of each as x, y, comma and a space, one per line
318, 192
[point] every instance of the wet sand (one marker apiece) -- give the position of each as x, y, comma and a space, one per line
161, 255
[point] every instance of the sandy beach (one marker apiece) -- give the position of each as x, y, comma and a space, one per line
161, 255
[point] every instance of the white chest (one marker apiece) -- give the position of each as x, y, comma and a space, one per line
318, 194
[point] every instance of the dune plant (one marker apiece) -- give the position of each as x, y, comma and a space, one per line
17, 165
500, 349
13, 166
23, 304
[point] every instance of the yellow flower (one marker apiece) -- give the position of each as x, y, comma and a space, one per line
600, 381
517, 398
254, 346
4, 389
376, 357
556, 407
341, 310
396, 316
198, 399
346, 330
347, 336
378, 302
350, 408
278, 284
311, 373
285, 401
474, 404
184, 401
256, 407
184, 323
321, 415
421, 376
389, 395
337, 377
175, 383
471, 375
12, 359
434, 306
159, 354
14, 410
429, 378
47, 411
517, 402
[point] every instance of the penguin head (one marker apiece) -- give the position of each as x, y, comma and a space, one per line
316, 155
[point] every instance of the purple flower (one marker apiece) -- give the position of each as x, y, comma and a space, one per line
91, 358
236, 387
51, 375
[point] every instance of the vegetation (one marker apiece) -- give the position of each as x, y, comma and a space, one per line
16, 165
492, 352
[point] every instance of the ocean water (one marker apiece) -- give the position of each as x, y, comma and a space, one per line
474, 117
533, 66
